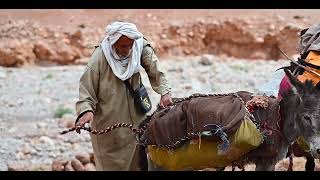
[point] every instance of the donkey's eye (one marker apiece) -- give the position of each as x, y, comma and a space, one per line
307, 118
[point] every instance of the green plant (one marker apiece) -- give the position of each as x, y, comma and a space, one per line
239, 67
49, 76
60, 111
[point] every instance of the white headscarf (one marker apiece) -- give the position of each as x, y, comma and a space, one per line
124, 67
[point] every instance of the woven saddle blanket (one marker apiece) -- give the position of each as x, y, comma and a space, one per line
170, 125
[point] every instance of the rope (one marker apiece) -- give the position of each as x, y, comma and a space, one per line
107, 130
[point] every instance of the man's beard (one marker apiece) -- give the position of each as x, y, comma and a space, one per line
125, 56
121, 57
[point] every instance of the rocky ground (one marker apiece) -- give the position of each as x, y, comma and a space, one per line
43, 52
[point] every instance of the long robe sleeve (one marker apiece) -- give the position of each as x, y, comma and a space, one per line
155, 72
88, 88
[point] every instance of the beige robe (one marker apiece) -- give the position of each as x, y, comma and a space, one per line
107, 96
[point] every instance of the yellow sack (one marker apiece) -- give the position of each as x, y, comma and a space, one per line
200, 154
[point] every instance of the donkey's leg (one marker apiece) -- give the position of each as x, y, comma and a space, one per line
241, 166
239, 163
143, 160
233, 167
290, 167
289, 154
220, 169
310, 165
265, 166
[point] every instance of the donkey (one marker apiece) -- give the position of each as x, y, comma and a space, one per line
300, 116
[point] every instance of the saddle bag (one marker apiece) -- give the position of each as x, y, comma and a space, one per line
141, 97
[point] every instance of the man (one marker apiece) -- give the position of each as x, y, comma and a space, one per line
104, 99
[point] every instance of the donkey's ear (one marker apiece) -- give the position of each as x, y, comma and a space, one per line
294, 81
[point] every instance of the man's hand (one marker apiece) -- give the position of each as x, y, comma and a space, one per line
165, 100
86, 118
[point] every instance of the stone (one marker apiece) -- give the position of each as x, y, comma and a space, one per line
41, 125
77, 165
57, 165
16, 167
89, 167
68, 167
27, 150
47, 140
84, 158
206, 60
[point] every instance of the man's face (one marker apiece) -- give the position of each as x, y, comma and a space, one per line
123, 46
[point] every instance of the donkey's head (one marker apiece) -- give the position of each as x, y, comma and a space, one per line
306, 98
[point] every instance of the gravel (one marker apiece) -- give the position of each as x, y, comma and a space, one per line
30, 97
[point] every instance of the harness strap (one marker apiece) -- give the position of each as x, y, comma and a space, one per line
303, 62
